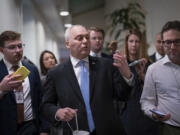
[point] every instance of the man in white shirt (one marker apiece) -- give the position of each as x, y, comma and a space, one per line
159, 49
161, 90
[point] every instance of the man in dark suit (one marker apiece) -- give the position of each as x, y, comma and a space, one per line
96, 38
12, 122
159, 49
64, 94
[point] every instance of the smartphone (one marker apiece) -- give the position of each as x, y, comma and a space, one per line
22, 71
158, 113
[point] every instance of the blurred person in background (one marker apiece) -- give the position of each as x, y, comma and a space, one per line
133, 119
47, 61
96, 38
159, 49
113, 45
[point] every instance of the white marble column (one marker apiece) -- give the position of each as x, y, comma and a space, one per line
11, 16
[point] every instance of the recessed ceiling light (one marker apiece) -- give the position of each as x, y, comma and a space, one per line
67, 25
64, 13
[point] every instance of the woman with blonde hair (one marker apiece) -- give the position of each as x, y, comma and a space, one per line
133, 119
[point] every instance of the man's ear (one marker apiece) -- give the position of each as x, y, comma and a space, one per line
67, 44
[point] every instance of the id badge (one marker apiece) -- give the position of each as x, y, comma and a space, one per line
80, 132
19, 97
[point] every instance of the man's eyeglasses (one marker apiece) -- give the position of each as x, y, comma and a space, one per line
13, 47
168, 43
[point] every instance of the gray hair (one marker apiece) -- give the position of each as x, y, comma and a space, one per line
68, 31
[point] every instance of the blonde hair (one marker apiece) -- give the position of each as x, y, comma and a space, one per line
143, 45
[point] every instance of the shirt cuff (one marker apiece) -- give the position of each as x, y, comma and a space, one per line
130, 81
56, 118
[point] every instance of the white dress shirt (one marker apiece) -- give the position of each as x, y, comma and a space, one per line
162, 90
95, 54
28, 114
158, 56
77, 67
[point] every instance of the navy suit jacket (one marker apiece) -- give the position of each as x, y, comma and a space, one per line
8, 106
153, 57
62, 88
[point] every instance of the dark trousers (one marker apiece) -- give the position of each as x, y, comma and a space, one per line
28, 128
93, 132
166, 129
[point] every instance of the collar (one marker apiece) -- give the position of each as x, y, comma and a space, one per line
75, 61
95, 54
9, 65
158, 56
166, 60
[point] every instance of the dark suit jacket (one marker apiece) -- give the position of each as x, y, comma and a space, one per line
105, 82
8, 109
153, 57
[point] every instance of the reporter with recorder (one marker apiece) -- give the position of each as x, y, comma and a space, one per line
133, 119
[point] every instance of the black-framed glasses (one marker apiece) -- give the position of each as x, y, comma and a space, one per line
168, 43
13, 47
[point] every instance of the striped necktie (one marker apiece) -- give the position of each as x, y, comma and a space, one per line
19, 96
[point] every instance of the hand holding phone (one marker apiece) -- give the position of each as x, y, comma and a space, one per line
158, 113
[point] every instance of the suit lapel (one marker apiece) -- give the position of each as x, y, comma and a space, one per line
3, 73
71, 77
92, 70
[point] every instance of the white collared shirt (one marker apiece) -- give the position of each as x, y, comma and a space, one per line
95, 54
158, 56
77, 68
162, 90
28, 114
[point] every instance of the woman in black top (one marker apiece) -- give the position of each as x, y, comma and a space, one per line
133, 119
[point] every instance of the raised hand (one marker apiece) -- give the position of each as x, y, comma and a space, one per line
140, 67
9, 82
120, 62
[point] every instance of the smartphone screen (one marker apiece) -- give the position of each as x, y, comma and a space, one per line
158, 113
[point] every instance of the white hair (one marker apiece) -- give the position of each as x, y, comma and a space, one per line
68, 31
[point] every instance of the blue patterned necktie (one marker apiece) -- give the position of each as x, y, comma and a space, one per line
84, 84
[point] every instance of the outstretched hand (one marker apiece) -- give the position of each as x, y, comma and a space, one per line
120, 62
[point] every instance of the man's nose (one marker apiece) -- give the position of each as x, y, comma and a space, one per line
173, 45
85, 39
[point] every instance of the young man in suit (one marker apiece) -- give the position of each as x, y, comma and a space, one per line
159, 49
18, 116
92, 104
96, 38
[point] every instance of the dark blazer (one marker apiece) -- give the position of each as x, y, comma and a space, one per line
153, 57
133, 119
8, 109
62, 88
